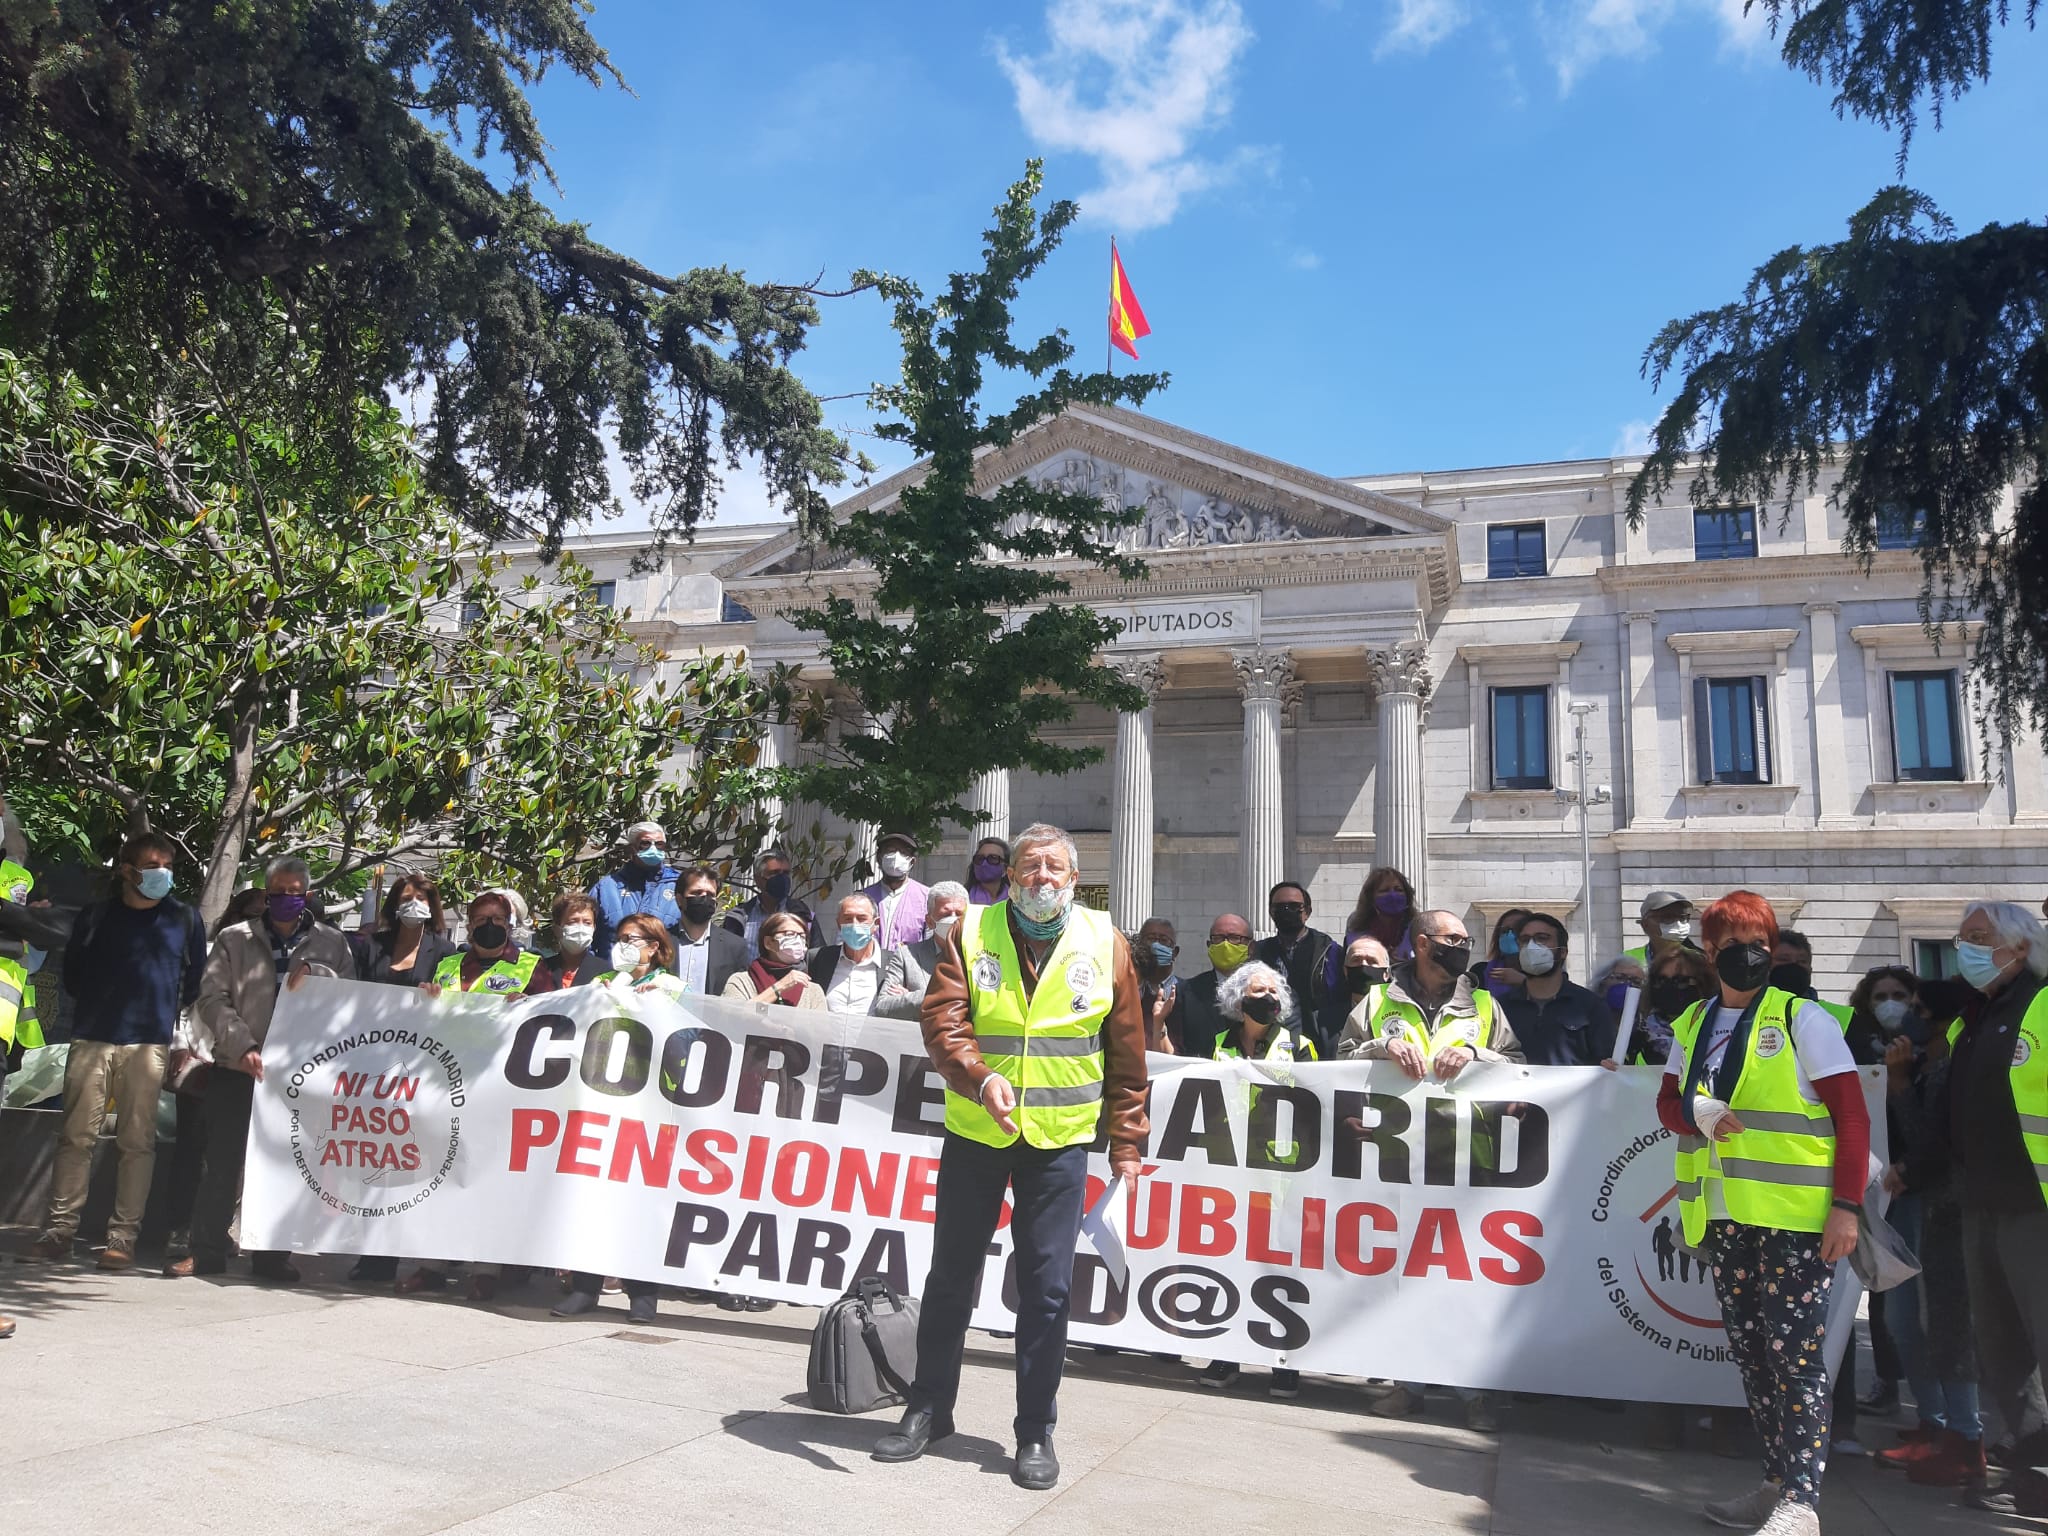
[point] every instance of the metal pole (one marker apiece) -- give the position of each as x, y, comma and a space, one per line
1585, 850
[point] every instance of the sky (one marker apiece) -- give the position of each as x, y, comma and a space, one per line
1371, 236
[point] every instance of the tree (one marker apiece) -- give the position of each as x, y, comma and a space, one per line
268, 637
1908, 356
959, 650
169, 170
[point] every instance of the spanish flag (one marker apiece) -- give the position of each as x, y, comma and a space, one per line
1126, 319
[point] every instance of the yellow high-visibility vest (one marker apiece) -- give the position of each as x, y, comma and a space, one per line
1395, 1019
1049, 1046
499, 978
1779, 1171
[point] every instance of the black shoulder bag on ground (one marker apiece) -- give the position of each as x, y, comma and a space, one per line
864, 1350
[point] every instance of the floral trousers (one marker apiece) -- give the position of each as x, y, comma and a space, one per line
1773, 1288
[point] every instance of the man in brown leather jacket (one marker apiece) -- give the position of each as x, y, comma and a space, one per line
1022, 1112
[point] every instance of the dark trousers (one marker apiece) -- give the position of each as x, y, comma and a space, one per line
2007, 1260
1774, 1288
590, 1285
1047, 1193
189, 1158
229, 1098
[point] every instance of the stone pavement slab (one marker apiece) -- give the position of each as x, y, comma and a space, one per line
222, 1407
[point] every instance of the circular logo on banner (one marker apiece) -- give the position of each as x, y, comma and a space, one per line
1770, 1040
1661, 1290
988, 972
1080, 975
375, 1120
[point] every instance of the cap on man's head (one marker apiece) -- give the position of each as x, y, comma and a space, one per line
901, 840
1657, 901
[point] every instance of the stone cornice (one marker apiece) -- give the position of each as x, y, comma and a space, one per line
1692, 573
1531, 651
1708, 642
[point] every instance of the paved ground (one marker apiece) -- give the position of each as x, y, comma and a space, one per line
137, 1404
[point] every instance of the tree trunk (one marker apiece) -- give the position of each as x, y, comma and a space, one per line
237, 807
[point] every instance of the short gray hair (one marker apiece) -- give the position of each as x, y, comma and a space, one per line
2015, 925
290, 864
1428, 924
948, 890
1040, 833
1230, 996
638, 827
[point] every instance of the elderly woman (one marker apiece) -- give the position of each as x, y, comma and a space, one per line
1773, 1156
643, 956
777, 974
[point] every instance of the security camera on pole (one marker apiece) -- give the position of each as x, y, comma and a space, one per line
1600, 794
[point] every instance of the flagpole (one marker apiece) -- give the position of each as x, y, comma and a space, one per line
1108, 350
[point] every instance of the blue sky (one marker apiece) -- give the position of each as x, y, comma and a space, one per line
1370, 235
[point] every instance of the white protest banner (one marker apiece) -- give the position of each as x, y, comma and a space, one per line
1513, 1229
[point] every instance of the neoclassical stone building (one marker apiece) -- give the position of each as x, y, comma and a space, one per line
1395, 668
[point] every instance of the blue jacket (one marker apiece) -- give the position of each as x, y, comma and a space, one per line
634, 889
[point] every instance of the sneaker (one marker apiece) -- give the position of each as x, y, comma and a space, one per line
1845, 1445
1397, 1402
1953, 1462
1749, 1511
1481, 1417
1883, 1397
1218, 1373
2029, 1499
575, 1304
1284, 1384
117, 1259
1791, 1518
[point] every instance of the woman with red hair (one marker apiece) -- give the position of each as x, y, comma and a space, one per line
1773, 1154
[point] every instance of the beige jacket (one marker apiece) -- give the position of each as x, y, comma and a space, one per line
238, 988
739, 988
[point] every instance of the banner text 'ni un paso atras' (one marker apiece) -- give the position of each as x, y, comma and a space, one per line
1516, 1228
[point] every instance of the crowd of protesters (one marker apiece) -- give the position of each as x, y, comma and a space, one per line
1773, 1144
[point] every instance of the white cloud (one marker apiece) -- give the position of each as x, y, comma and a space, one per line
1134, 83
1305, 261
1419, 25
1590, 31
1632, 441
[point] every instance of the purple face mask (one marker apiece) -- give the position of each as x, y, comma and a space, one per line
285, 910
1617, 994
1390, 903
988, 869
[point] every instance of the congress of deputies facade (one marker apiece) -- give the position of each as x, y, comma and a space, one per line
1385, 668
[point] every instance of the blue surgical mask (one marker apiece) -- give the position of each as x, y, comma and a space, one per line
855, 935
154, 884
1976, 965
1162, 955
651, 857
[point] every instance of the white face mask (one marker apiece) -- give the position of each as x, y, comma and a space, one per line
1891, 1014
414, 912
625, 957
1042, 900
1677, 932
945, 924
895, 865
578, 935
1538, 958
790, 946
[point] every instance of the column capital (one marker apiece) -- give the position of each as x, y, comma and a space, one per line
1812, 608
1264, 674
1642, 616
1146, 673
1400, 669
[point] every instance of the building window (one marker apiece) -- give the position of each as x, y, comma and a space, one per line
1514, 549
1926, 741
472, 614
732, 611
1521, 738
1732, 729
1900, 527
1724, 533
1934, 959
607, 593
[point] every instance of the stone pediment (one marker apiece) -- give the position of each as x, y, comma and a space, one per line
1195, 494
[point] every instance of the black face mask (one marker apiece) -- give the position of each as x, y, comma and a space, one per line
776, 887
1363, 978
1262, 1009
1668, 999
1289, 916
1744, 967
1796, 979
700, 909
489, 936
1455, 958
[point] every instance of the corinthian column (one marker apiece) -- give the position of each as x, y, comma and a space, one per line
990, 802
1265, 680
1130, 800
1400, 837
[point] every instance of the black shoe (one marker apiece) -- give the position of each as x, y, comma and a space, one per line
575, 1304
275, 1269
698, 1298
1218, 1373
1284, 1384
371, 1270
641, 1309
1883, 1397
209, 1264
920, 1429
1037, 1468
759, 1304
732, 1303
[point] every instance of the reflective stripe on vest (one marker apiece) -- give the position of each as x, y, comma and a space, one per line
2030, 1085
500, 978
1049, 1047
1779, 1170
1393, 1019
